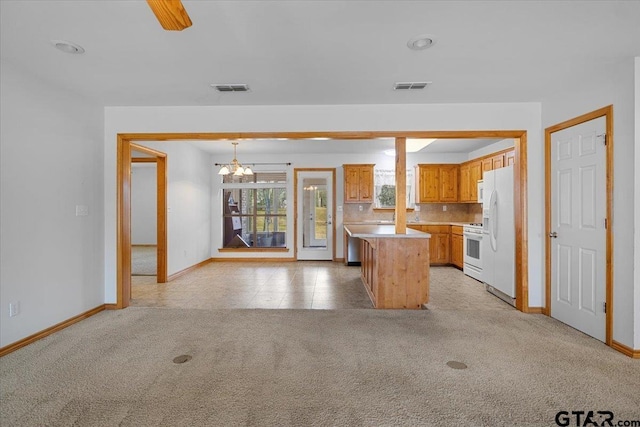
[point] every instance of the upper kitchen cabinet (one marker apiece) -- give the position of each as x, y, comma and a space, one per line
470, 173
358, 183
437, 183
510, 158
497, 161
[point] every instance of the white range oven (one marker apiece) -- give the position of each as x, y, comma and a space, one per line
472, 250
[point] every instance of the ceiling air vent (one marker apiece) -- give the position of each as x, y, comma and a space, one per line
231, 87
410, 85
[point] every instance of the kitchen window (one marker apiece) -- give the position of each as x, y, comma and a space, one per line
255, 210
384, 183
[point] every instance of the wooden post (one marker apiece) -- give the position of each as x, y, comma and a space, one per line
401, 186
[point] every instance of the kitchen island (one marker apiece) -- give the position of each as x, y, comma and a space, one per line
395, 267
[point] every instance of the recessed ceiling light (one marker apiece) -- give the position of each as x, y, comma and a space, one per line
421, 42
67, 47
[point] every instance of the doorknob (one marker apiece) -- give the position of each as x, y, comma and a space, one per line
553, 235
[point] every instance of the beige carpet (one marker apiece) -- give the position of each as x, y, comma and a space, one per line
144, 260
314, 368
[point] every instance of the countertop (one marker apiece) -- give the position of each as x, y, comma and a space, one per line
409, 223
363, 231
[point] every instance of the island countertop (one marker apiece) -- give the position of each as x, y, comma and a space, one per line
364, 231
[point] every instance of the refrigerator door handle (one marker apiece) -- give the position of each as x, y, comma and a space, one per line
493, 228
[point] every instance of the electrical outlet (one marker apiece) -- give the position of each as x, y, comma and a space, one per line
417, 208
339, 208
444, 208
360, 208
14, 308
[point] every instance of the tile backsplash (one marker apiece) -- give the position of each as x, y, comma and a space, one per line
429, 212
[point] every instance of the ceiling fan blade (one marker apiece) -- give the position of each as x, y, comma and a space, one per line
171, 14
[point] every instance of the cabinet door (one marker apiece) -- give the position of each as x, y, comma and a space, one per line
498, 161
351, 184
457, 244
487, 165
449, 183
475, 173
429, 178
366, 183
510, 158
465, 191
439, 249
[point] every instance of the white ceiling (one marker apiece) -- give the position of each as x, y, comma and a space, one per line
306, 146
319, 52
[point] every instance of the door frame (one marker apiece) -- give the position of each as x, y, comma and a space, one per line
161, 242
123, 171
606, 112
123, 220
295, 208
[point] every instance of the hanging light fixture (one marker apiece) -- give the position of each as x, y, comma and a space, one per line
235, 167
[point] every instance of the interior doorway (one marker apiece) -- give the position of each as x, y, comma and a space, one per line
125, 160
126, 141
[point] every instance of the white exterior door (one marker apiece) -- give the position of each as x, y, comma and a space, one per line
578, 236
315, 215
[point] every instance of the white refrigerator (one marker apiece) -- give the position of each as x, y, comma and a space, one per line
498, 240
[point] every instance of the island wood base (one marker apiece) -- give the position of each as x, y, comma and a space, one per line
395, 271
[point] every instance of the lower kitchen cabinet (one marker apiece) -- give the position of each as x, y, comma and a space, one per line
439, 244
457, 246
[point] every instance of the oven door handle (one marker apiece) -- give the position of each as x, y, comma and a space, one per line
473, 236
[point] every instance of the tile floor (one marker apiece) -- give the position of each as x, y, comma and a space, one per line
296, 285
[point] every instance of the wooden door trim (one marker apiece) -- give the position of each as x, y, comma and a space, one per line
295, 208
123, 222
520, 178
606, 112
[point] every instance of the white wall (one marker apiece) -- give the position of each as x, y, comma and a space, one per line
612, 83
636, 228
144, 202
188, 205
525, 116
51, 260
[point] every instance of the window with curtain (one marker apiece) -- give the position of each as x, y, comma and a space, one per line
255, 210
384, 183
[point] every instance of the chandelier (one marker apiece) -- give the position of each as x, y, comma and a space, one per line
235, 167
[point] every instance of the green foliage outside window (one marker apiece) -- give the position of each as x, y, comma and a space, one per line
387, 196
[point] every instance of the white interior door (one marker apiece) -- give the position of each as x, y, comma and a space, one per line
578, 236
315, 215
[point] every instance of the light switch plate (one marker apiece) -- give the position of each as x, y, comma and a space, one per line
339, 208
14, 308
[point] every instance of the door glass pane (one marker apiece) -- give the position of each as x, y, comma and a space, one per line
314, 213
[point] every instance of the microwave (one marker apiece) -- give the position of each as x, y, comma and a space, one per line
480, 191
